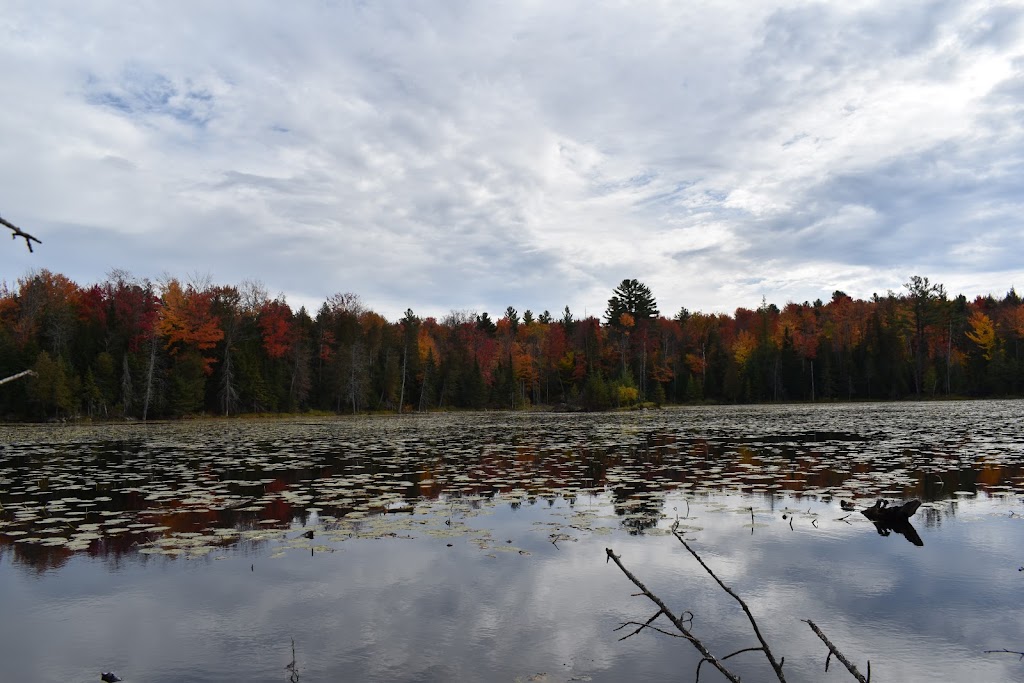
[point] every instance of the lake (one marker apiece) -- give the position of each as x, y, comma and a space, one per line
471, 546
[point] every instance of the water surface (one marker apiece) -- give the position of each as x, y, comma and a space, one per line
472, 546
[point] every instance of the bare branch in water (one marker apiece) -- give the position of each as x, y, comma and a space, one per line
677, 621
1020, 655
293, 667
685, 621
776, 664
647, 624
833, 650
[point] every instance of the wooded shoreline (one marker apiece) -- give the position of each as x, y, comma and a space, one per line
132, 349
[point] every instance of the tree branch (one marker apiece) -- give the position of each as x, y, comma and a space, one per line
833, 650
776, 665
21, 374
731, 654
1012, 652
677, 621
17, 232
646, 624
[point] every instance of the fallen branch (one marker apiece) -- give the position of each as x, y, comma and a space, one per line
21, 374
677, 621
17, 232
684, 622
776, 664
833, 650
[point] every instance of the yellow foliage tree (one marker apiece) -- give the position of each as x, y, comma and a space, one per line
628, 395
983, 333
743, 347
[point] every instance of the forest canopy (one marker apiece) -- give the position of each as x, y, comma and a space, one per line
132, 348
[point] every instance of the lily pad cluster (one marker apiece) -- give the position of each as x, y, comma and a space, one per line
188, 489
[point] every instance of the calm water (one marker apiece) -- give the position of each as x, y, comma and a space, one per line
472, 546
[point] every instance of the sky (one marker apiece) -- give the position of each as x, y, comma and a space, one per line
470, 156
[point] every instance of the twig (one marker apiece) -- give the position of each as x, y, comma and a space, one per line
677, 621
833, 650
293, 667
17, 232
647, 624
776, 665
731, 654
1020, 655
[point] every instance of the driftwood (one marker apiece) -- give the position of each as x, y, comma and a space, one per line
888, 518
17, 232
684, 622
887, 514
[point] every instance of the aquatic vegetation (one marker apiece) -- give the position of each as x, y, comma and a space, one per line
187, 489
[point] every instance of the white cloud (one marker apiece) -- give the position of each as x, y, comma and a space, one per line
456, 156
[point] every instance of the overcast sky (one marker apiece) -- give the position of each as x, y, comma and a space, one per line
475, 155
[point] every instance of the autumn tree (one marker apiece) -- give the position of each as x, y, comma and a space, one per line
983, 333
189, 329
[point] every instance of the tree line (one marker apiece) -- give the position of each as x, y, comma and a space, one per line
132, 348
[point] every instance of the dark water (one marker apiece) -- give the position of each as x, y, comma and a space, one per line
472, 546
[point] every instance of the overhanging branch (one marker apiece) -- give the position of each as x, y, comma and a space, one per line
23, 373
17, 232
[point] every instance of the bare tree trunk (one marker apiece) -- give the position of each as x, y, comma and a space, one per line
228, 393
949, 352
126, 386
352, 378
423, 389
703, 370
775, 380
812, 380
643, 373
300, 379
149, 378
405, 363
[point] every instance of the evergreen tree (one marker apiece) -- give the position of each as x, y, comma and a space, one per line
632, 297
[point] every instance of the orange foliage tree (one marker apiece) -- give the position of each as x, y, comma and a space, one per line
186, 321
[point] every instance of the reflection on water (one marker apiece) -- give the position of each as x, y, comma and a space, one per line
470, 547
903, 528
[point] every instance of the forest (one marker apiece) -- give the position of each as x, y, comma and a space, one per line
129, 348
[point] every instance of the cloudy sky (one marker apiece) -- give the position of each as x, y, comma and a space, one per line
475, 155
